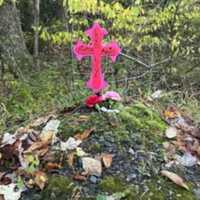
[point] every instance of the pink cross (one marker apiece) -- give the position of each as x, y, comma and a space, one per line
96, 50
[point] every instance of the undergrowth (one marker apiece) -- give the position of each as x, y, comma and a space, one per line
42, 92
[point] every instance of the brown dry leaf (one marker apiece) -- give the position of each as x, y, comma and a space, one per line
107, 159
79, 177
2, 174
196, 132
180, 143
41, 120
36, 146
51, 166
42, 152
30, 183
70, 158
84, 135
40, 179
43, 143
47, 137
175, 178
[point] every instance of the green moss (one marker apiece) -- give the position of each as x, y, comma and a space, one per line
142, 117
161, 189
112, 185
59, 187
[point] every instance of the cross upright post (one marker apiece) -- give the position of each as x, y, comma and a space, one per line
96, 50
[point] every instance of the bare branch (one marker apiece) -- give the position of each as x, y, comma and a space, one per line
144, 64
136, 60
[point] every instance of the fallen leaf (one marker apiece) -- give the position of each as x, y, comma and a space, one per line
84, 135
92, 166
51, 126
79, 177
5, 180
175, 178
171, 132
70, 144
51, 166
36, 146
40, 179
47, 137
107, 159
9, 192
8, 139
42, 152
41, 120
70, 159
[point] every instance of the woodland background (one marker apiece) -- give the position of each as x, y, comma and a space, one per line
38, 72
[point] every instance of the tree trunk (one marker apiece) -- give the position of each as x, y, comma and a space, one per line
14, 55
36, 29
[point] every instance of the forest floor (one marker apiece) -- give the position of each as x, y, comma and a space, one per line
53, 147
145, 150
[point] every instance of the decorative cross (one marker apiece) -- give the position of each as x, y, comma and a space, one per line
96, 50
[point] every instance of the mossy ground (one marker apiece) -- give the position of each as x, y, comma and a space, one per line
137, 127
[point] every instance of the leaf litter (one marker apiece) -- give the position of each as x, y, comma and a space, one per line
184, 137
31, 153
183, 145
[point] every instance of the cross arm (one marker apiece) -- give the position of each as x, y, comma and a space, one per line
82, 50
111, 50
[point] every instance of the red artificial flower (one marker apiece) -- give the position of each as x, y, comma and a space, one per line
92, 100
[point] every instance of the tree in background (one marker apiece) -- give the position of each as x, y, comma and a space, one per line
13, 51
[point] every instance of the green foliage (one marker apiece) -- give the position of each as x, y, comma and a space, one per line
152, 30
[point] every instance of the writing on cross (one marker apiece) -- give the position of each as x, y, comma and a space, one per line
96, 50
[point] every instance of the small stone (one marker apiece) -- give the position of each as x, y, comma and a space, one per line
131, 177
93, 179
187, 159
92, 166
171, 132
131, 151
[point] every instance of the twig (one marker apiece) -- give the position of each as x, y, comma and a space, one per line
132, 78
144, 64
161, 62
136, 60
